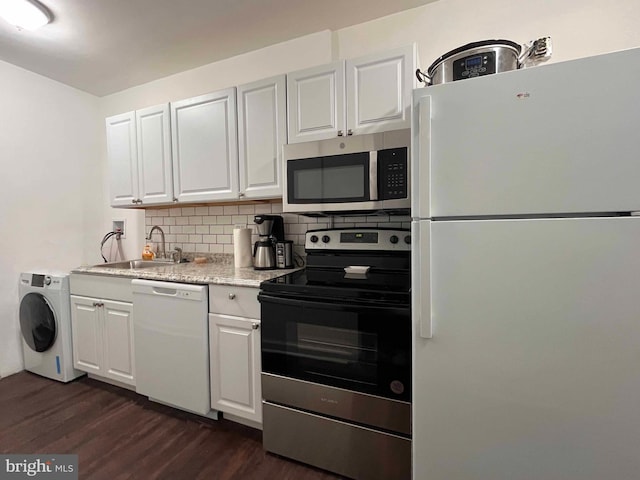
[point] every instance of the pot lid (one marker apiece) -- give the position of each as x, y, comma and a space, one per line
471, 46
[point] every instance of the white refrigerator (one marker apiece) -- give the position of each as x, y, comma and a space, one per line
526, 274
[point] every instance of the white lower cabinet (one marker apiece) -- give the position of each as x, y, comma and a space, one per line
234, 346
103, 338
235, 366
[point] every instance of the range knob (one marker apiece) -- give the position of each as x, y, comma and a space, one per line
393, 239
313, 238
407, 239
326, 238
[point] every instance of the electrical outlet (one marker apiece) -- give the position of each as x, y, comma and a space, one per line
118, 225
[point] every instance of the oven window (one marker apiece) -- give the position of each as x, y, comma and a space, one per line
332, 179
335, 352
355, 347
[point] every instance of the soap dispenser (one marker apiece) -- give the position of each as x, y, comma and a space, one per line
147, 253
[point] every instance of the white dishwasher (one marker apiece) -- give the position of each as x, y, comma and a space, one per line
171, 339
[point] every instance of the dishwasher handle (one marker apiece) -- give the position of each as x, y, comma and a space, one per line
182, 291
167, 292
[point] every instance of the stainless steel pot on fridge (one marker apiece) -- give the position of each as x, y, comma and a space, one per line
477, 59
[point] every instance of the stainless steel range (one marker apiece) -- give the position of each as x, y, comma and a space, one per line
336, 355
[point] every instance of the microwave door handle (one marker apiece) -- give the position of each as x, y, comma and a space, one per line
373, 175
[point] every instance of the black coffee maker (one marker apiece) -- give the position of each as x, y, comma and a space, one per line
270, 229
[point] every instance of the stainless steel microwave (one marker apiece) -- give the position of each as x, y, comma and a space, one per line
358, 174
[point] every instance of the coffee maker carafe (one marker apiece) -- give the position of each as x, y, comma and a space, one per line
270, 229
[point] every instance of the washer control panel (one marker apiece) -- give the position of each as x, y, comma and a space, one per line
39, 280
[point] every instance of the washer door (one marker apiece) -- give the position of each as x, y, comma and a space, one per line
37, 322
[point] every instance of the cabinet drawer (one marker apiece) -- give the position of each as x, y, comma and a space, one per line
101, 286
237, 301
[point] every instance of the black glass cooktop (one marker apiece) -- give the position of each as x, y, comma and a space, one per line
335, 284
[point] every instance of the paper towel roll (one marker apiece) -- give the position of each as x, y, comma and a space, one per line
242, 254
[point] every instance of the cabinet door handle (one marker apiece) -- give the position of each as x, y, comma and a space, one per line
241, 194
232, 296
175, 199
340, 133
134, 201
255, 326
349, 132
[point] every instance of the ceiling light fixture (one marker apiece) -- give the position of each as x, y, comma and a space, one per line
27, 14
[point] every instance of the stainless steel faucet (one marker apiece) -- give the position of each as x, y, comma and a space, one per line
153, 229
176, 255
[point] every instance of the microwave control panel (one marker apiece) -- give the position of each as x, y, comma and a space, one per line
392, 174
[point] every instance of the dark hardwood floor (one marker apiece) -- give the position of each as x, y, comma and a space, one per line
121, 435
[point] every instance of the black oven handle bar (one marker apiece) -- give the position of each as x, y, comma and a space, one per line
329, 304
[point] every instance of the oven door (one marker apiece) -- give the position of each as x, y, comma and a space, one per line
354, 347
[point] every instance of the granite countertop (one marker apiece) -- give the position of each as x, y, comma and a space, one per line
219, 270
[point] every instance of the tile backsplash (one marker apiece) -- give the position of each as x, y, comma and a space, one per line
209, 229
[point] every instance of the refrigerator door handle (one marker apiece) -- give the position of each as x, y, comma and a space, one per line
421, 281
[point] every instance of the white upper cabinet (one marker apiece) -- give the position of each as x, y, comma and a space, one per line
204, 146
379, 90
122, 156
154, 155
139, 152
315, 99
261, 133
363, 95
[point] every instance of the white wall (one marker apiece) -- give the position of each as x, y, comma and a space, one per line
578, 28
51, 195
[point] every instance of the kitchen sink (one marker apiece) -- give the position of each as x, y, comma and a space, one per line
135, 264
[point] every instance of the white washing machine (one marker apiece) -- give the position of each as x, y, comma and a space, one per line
45, 323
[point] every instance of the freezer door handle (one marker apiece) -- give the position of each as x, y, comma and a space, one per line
421, 160
421, 282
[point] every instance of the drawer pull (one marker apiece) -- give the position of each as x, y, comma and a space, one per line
255, 326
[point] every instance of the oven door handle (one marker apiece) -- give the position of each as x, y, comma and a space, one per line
327, 305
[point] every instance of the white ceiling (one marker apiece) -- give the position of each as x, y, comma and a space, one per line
104, 46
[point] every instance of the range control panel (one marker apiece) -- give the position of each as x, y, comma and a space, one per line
358, 239
474, 66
